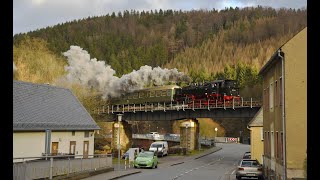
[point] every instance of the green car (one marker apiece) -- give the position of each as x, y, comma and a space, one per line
146, 159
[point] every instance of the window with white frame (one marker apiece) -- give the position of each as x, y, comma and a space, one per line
271, 96
276, 93
281, 93
272, 144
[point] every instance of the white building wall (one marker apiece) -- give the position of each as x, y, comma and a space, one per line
28, 144
32, 144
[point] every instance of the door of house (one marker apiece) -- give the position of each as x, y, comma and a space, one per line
72, 147
85, 149
54, 149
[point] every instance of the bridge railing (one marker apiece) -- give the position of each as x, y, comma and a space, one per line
192, 105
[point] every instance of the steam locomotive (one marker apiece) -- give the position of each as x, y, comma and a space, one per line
218, 91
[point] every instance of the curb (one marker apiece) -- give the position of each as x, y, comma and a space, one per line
125, 175
177, 163
219, 148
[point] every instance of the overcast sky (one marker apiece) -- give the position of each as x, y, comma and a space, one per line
29, 15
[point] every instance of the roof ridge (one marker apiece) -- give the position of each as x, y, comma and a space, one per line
38, 84
255, 116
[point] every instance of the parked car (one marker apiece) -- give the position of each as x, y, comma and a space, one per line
172, 136
126, 154
249, 168
161, 147
154, 135
146, 159
247, 155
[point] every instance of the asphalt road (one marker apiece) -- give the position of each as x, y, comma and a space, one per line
216, 166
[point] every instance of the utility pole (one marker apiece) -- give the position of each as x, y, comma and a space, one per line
119, 146
47, 142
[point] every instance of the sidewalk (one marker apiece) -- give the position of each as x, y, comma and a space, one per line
170, 161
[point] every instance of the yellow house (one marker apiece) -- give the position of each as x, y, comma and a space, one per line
256, 136
285, 109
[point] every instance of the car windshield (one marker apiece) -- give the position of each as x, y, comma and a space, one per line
145, 154
156, 145
249, 163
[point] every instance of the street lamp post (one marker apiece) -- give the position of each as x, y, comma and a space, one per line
149, 128
187, 137
119, 146
240, 136
216, 130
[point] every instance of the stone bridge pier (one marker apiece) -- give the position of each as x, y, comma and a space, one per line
189, 134
125, 136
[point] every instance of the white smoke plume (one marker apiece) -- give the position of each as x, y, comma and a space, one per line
97, 74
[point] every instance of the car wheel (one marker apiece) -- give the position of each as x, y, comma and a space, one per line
135, 166
156, 166
238, 178
152, 167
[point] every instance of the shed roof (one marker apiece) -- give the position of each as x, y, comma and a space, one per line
37, 107
257, 120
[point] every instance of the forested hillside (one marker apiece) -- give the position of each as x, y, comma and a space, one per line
206, 44
127, 40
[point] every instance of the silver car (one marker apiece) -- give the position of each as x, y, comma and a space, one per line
249, 168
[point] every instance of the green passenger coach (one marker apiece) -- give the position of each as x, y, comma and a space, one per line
148, 95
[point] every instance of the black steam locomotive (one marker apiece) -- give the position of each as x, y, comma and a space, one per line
210, 92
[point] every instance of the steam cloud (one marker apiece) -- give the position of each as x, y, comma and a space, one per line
97, 74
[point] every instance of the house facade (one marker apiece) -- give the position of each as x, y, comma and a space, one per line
256, 136
50, 120
285, 109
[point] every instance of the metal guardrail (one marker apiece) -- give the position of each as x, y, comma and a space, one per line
194, 105
38, 167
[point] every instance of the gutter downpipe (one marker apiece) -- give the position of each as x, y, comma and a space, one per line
283, 118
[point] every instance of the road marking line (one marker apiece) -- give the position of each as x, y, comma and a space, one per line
233, 171
196, 168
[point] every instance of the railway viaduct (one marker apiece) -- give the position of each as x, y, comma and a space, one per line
234, 117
